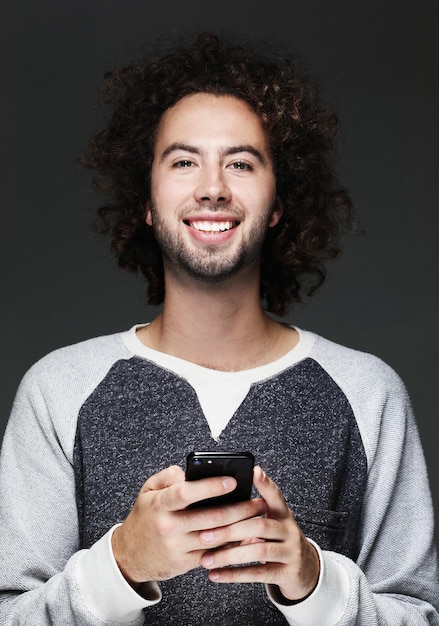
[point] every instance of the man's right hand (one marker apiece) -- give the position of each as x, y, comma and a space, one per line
160, 538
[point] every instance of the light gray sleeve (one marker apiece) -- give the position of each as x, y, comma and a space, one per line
42, 573
395, 579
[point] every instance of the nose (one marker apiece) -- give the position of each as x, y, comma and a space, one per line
212, 186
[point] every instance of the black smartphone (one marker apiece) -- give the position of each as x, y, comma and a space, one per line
237, 464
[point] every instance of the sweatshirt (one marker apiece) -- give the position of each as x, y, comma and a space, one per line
332, 426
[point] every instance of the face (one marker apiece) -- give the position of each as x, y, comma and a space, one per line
213, 193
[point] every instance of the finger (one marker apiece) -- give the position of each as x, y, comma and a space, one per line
259, 573
248, 530
258, 551
295, 581
184, 493
217, 525
277, 507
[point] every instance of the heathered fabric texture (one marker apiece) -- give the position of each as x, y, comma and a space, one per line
299, 426
92, 421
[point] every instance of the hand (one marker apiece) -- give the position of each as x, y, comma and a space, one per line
275, 542
160, 537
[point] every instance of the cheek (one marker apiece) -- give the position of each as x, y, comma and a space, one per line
169, 195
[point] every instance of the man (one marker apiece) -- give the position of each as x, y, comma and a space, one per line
217, 165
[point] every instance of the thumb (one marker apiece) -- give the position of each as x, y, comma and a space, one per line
165, 478
270, 492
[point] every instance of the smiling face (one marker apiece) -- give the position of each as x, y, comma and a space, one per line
213, 193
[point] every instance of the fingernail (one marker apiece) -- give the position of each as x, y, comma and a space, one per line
206, 536
207, 560
228, 482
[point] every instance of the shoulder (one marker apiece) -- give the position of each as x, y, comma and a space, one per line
77, 354
53, 390
355, 368
75, 367
376, 393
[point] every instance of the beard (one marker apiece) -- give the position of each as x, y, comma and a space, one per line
210, 263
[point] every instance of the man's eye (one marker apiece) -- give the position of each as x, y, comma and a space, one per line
183, 163
240, 165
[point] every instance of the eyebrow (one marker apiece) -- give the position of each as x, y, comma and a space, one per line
173, 147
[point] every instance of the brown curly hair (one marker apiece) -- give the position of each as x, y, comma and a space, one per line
302, 135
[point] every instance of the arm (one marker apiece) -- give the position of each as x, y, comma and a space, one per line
44, 577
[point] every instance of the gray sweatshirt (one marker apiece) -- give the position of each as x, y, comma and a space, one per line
333, 427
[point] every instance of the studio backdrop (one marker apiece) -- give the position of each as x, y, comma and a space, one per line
377, 64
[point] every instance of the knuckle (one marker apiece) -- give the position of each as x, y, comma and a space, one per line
252, 508
297, 534
164, 527
216, 516
150, 502
262, 525
259, 572
267, 551
261, 551
180, 491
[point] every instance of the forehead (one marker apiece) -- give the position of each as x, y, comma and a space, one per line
204, 118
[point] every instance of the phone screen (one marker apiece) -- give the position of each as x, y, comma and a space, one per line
237, 464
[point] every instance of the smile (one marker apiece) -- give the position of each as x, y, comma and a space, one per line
212, 227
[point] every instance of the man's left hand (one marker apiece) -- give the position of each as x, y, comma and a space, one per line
271, 549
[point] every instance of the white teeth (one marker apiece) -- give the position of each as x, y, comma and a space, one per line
212, 227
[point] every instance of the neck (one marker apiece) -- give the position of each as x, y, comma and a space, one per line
222, 327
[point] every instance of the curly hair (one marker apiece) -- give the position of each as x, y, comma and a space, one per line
302, 135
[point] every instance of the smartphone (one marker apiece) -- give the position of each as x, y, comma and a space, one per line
237, 464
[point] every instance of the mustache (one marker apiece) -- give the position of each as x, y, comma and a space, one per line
203, 206
211, 206
224, 208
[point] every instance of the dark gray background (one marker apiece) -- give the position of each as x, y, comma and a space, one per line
377, 63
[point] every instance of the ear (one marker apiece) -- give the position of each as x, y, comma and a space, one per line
278, 210
148, 216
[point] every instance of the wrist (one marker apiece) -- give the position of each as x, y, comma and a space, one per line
280, 598
286, 597
117, 552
